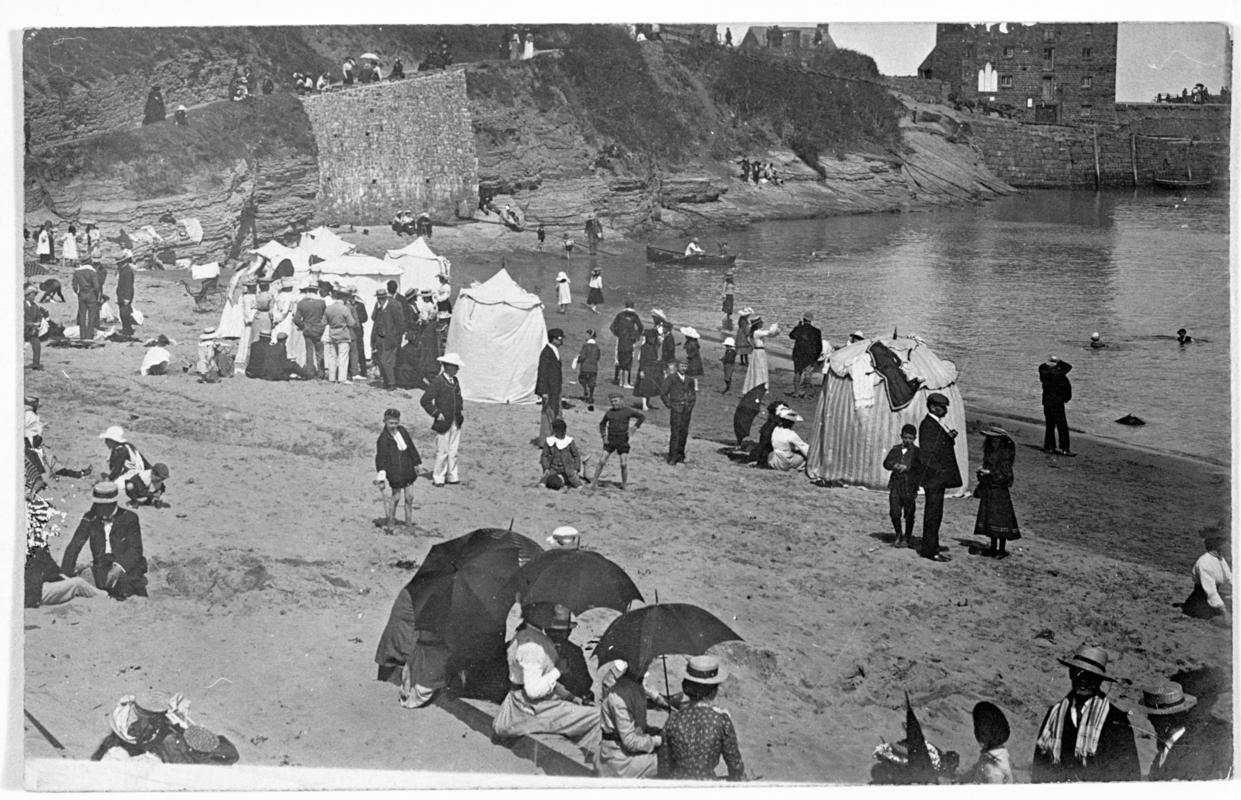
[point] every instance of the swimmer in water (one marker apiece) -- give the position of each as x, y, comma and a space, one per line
1183, 337
1095, 341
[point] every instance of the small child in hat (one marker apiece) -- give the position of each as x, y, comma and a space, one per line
730, 362
147, 487
542, 234
567, 244
904, 462
614, 429
587, 365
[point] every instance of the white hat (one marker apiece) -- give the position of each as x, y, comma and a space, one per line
566, 536
730, 341
745, 312
561, 277
1094, 335
689, 332
784, 412
182, 108
450, 358
858, 335
116, 433
208, 333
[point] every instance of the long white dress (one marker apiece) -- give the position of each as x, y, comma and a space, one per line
756, 373
562, 292
69, 250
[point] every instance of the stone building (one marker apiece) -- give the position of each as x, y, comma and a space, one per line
790, 40
1045, 72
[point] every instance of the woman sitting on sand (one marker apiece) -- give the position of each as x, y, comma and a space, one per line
628, 747
788, 451
996, 519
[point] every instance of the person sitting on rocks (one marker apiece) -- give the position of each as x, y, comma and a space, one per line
115, 537
148, 486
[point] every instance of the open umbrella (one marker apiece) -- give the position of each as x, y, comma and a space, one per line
579, 579
663, 628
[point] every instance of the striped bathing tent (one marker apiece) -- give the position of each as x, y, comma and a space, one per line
854, 423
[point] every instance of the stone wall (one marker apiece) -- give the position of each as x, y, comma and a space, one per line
923, 90
1162, 138
388, 146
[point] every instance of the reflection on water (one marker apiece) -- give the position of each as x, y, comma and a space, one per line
999, 287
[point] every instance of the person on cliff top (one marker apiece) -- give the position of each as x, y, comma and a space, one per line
1057, 391
181, 116
614, 430
154, 110
693, 249
594, 232
398, 70
324, 83
346, 70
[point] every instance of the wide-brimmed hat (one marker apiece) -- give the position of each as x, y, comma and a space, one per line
31, 289
564, 536
745, 312
1169, 698
201, 740
560, 276
450, 358
689, 332
548, 616
658, 313
807, 316
705, 670
857, 335
381, 292
116, 433
31, 401
936, 399
991, 429
730, 341
1095, 335
1090, 659
784, 412
104, 492
160, 471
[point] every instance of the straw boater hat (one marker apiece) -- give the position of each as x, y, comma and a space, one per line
1169, 698
31, 289
704, 670
1089, 659
116, 433
745, 312
994, 430
450, 358
565, 537
104, 492
689, 332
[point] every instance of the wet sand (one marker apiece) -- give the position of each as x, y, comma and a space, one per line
270, 584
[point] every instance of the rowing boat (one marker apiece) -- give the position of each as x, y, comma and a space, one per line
657, 255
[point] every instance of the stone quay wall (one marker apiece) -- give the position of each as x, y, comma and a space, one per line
1153, 137
388, 146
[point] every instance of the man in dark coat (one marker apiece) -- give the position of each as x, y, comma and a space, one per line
627, 328
574, 673
1187, 749
1084, 737
593, 231
807, 349
308, 317
679, 393
154, 110
937, 445
387, 329
115, 537
442, 401
357, 356
277, 366
1054, 375
125, 292
86, 287
548, 383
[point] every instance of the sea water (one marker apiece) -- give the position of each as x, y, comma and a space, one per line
997, 288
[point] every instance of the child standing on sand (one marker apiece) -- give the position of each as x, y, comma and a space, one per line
614, 428
567, 244
904, 464
587, 365
730, 362
563, 296
396, 464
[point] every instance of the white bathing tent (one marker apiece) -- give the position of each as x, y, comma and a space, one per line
420, 266
498, 330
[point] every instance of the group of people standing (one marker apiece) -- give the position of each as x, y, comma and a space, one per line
759, 172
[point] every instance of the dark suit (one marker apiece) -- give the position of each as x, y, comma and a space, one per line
126, 544
86, 286
443, 398
627, 328
903, 487
1115, 760
807, 345
1202, 753
1056, 392
679, 393
308, 317
548, 385
125, 297
939, 473
668, 349
387, 328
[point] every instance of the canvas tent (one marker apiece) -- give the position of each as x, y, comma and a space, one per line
420, 266
498, 330
323, 243
852, 430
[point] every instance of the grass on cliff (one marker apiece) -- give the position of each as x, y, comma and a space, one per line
160, 160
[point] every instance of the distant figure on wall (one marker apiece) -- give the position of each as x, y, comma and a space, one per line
180, 116
346, 71
398, 70
154, 110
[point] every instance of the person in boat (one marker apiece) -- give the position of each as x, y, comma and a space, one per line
1183, 337
1096, 341
692, 249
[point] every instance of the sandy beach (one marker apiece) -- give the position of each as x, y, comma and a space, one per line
270, 584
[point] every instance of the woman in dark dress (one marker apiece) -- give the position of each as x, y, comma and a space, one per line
693, 353
745, 345
396, 462
650, 369
996, 519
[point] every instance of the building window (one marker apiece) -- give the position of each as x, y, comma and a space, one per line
1087, 82
1006, 81
1086, 53
1008, 52
1049, 34
1049, 53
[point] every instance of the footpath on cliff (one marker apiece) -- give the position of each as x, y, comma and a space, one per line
270, 584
